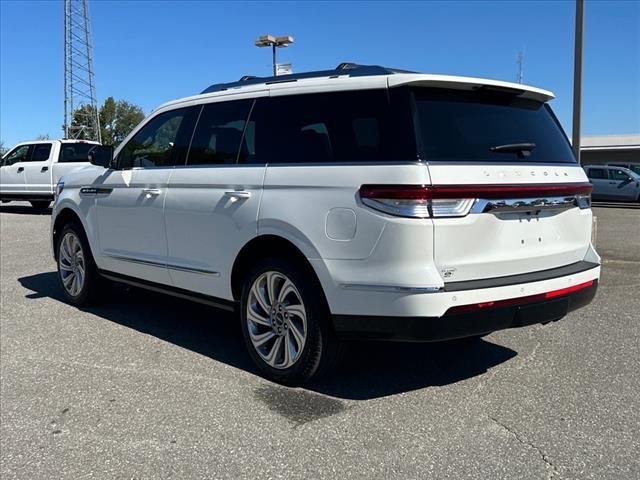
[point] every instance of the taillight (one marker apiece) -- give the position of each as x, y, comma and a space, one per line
423, 201
413, 201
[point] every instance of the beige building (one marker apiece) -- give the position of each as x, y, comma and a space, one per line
601, 149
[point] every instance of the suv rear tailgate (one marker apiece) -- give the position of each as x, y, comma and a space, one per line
503, 242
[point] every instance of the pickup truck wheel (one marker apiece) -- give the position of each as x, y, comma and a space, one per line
77, 271
40, 204
285, 322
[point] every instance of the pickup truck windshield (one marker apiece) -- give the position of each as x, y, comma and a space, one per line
486, 125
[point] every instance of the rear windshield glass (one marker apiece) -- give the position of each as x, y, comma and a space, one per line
488, 125
75, 152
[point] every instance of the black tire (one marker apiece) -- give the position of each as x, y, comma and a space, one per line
93, 284
40, 204
321, 346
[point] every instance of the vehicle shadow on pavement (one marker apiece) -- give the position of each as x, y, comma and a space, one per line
366, 370
24, 210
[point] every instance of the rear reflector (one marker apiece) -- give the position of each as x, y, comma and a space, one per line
423, 201
474, 307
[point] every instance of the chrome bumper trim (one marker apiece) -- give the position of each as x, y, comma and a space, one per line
390, 288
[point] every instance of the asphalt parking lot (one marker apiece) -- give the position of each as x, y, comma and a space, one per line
153, 387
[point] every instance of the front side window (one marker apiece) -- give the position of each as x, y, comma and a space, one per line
41, 152
153, 145
618, 175
488, 125
218, 138
19, 154
597, 173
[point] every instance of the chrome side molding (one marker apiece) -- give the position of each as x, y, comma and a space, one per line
87, 191
149, 263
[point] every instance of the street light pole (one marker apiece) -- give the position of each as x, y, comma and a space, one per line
274, 42
273, 58
577, 78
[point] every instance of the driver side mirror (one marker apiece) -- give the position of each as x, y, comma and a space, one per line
101, 155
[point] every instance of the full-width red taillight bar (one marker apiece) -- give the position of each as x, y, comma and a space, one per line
429, 192
474, 307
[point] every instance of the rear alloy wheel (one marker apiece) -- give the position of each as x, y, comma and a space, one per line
276, 320
77, 271
285, 322
40, 204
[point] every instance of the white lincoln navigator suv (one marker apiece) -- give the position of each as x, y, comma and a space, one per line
357, 202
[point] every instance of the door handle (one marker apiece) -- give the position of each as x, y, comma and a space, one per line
237, 195
20, 169
44, 169
151, 192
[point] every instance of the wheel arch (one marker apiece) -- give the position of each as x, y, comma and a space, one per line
265, 246
63, 217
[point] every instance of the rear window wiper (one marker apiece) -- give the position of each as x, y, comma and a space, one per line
522, 149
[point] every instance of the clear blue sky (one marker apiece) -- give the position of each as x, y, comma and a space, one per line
148, 52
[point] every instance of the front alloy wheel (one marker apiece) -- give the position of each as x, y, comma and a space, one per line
71, 263
77, 271
276, 320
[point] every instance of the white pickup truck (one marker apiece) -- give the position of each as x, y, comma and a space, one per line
31, 170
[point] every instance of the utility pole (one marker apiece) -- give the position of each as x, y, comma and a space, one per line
577, 78
79, 78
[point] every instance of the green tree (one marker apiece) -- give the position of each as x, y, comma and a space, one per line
3, 150
117, 119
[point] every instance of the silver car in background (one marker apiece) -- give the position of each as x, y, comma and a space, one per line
613, 183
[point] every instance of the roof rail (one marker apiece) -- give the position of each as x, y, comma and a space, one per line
345, 68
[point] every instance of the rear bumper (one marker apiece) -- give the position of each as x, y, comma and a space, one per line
451, 326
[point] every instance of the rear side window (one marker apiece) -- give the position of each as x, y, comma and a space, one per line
218, 138
41, 152
75, 152
155, 144
355, 126
597, 173
488, 125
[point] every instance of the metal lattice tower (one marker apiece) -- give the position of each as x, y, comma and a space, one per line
520, 62
79, 82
